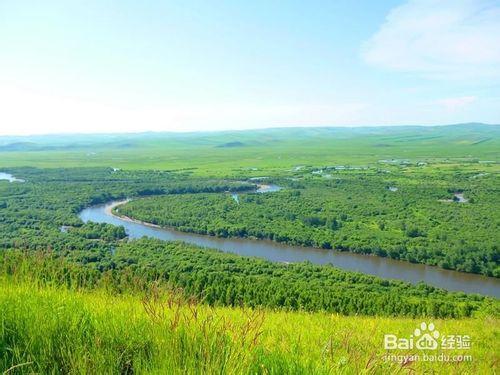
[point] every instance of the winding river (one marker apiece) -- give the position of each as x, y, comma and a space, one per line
276, 252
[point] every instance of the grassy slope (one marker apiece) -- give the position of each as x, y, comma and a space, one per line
43, 329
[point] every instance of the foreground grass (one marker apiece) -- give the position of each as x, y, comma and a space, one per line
46, 329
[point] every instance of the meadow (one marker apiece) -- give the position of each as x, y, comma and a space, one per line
269, 151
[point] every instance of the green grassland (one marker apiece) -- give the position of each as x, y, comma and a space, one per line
50, 323
270, 151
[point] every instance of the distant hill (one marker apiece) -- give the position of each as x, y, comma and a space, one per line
231, 144
240, 138
19, 146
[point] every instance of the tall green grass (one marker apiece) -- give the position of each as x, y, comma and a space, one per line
47, 330
87, 325
57, 317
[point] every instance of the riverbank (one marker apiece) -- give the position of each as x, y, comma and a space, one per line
110, 210
277, 252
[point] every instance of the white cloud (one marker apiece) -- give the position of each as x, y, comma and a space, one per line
453, 104
442, 39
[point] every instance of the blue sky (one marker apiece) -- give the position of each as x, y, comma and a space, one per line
104, 66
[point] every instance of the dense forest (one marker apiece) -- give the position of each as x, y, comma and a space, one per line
32, 213
40, 214
223, 279
412, 217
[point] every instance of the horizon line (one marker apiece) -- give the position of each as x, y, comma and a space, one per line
245, 130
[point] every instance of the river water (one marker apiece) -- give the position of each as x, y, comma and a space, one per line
276, 252
9, 177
